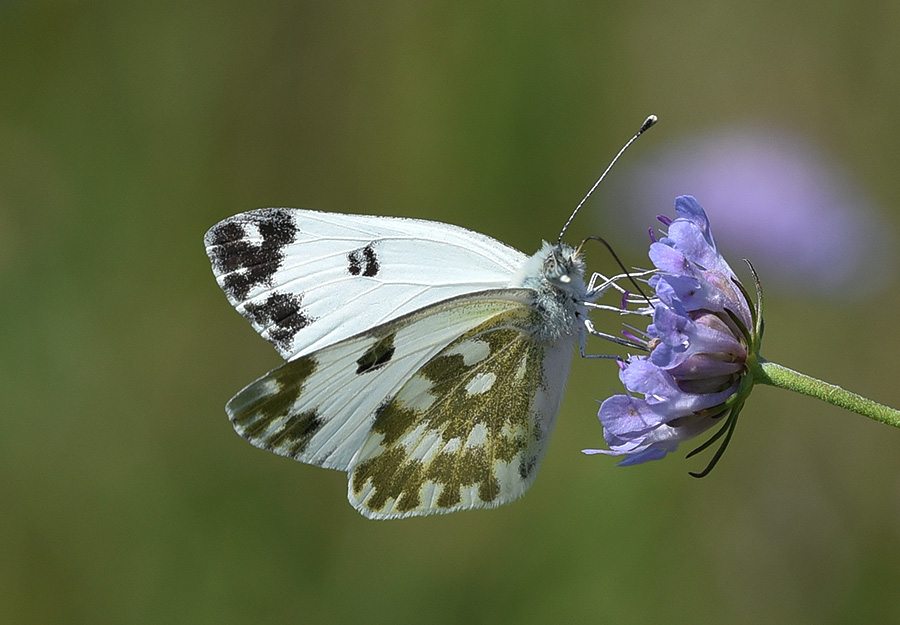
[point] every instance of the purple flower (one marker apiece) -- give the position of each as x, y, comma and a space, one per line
704, 333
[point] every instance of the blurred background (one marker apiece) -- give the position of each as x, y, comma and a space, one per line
128, 129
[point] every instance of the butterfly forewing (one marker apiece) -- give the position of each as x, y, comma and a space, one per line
320, 408
307, 279
468, 430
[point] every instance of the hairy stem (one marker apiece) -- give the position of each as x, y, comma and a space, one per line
766, 372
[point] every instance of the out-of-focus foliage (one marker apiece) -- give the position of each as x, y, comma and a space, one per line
127, 129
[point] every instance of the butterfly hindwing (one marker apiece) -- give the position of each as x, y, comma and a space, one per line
320, 408
302, 278
468, 430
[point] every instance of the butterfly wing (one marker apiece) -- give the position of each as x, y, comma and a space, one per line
308, 279
319, 408
467, 430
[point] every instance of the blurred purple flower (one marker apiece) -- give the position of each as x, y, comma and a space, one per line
779, 201
704, 331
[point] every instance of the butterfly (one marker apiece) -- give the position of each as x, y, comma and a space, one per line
426, 360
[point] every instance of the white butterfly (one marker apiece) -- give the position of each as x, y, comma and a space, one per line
425, 360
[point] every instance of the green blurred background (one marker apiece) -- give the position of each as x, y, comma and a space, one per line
128, 129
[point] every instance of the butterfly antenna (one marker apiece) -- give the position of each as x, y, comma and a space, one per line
644, 127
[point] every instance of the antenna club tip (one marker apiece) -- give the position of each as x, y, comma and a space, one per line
650, 121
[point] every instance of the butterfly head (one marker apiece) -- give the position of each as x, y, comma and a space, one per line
558, 268
563, 267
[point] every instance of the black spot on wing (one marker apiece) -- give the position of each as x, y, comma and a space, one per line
380, 353
363, 261
381, 408
224, 233
247, 264
293, 439
282, 315
528, 466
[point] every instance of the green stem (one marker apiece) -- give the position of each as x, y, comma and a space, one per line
765, 372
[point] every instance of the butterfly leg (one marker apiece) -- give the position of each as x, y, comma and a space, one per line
590, 329
600, 284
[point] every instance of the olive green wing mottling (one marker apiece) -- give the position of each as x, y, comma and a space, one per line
463, 432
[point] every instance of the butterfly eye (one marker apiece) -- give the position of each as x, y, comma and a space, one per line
553, 266
558, 267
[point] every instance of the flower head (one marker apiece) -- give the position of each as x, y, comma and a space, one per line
701, 343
